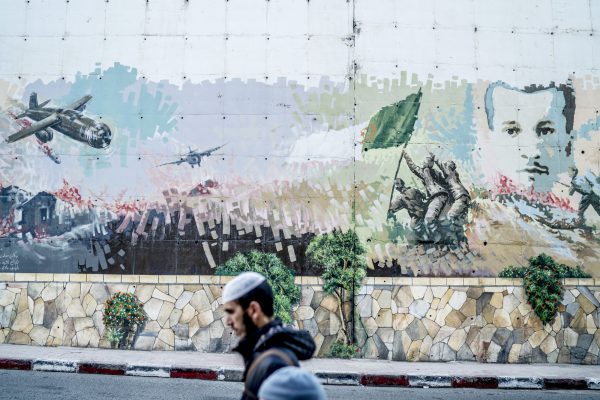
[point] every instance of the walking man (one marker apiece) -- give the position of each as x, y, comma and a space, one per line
265, 344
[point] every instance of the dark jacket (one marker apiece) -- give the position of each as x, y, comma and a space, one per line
297, 345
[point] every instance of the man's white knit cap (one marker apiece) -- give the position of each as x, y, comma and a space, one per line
241, 285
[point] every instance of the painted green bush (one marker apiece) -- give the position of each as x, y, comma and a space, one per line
542, 280
122, 314
281, 278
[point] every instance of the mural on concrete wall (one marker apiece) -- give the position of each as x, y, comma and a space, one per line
130, 162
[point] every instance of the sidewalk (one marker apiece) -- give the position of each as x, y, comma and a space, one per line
228, 367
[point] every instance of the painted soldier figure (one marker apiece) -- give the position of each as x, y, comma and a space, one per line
438, 195
460, 195
411, 199
589, 188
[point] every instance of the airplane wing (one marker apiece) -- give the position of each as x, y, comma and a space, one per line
172, 162
79, 105
37, 126
210, 151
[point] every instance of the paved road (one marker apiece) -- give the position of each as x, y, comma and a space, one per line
30, 385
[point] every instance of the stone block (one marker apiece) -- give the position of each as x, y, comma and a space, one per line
404, 297
98, 323
188, 313
304, 312
501, 318
144, 342
68, 330
465, 354
431, 326
445, 298
441, 352
88, 337
497, 300
201, 340
50, 292
469, 308
100, 292
34, 289
375, 308
385, 299
174, 317
152, 308
23, 322
457, 300
457, 339
167, 336
548, 345
418, 292
38, 312
175, 290
386, 335
454, 319
514, 352
474, 292
370, 326
144, 292
158, 294
6, 297
585, 303
416, 330
419, 308
39, 335
364, 306
16, 337
537, 338
57, 330
384, 318
306, 296
334, 324
401, 321
165, 313
89, 305
183, 299
82, 323
200, 301
311, 326
75, 310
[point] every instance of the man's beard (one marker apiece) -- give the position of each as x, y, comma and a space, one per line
250, 326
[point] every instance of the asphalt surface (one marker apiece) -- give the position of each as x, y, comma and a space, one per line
33, 385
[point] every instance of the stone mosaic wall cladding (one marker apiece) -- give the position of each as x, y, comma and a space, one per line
414, 319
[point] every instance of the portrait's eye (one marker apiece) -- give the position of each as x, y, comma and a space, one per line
511, 128
544, 128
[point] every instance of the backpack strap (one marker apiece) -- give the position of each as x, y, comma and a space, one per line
257, 361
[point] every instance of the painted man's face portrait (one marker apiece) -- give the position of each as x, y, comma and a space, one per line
527, 139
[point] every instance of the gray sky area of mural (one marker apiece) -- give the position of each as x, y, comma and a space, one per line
247, 125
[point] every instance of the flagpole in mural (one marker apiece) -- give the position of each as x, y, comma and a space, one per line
393, 126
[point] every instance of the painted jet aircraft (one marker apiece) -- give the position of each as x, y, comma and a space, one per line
68, 121
193, 157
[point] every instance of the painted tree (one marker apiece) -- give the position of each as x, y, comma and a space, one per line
342, 257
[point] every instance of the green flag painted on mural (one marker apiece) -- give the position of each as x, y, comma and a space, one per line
393, 125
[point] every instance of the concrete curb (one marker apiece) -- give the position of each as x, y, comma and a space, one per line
327, 378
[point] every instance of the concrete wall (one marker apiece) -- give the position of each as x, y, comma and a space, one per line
307, 99
415, 319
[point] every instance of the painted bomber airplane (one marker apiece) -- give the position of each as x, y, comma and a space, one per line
68, 121
193, 157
